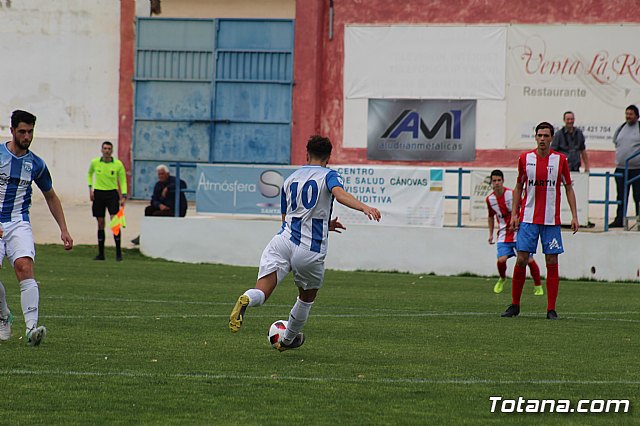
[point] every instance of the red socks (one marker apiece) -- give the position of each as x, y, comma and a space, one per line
552, 286
517, 283
535, 272
502, 269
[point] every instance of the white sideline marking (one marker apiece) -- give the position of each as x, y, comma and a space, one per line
378, 315
186, 302
383, 380
122, 300
377, 312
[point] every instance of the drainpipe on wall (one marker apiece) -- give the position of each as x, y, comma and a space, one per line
330, 19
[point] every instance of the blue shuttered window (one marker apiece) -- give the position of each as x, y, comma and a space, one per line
210, 91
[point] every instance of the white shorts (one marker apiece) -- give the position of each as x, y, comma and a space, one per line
282, 256
17, 241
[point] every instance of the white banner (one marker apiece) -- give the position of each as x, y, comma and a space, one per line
425, 62
404, 195
592, 70
481, 187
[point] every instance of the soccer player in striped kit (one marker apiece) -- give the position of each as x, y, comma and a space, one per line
540, 174
301, 245
499, 204
19, 169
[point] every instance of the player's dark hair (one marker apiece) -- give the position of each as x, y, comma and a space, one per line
498, 173
567, 112
19, 116
545, 125
319, 147
106, 143
634, 109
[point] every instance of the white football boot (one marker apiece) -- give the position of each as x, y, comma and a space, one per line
5, 327
36, 335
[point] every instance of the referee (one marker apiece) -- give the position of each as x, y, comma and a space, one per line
106, 194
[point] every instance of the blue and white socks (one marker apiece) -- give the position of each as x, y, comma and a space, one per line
30, 298
297, 318
4, 308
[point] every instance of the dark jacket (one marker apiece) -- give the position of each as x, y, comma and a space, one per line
570, 145
169, 200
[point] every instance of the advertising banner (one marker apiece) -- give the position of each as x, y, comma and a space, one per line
416, 62
411, 196
240, 189
481, 188
421, 130
591, 70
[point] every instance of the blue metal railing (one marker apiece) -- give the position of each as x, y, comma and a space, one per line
179, 190
459, 171
628, 182
459, 197
606, 200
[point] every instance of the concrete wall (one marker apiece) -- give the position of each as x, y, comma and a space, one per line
318, 105
61, 63
68, 159
129, 9
443, 251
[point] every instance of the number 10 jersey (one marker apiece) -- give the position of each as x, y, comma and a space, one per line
306, 201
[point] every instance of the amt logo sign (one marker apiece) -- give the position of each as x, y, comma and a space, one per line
410, 121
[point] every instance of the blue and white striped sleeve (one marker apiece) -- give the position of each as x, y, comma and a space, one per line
43, 177
334, 179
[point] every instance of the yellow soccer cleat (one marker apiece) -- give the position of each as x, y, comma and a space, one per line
538, 290
499, 285
295, 343
237, 313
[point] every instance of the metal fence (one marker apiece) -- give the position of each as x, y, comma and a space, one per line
460, 197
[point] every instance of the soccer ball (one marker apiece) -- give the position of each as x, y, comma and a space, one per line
276, 332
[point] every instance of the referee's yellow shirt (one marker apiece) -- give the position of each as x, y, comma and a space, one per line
107, 175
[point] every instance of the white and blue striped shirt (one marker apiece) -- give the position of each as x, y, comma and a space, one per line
306, 202
16, 176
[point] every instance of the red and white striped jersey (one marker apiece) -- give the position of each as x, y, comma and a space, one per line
542, 179
500, 208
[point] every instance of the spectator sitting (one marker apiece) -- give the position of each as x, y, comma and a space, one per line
164, 196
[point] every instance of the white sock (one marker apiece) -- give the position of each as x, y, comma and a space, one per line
256, 297
4, 308
30, 297
297, 317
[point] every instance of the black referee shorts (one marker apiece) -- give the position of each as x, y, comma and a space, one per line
105, 200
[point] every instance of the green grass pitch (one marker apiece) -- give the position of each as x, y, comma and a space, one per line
146, 342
